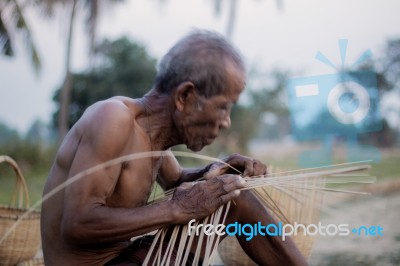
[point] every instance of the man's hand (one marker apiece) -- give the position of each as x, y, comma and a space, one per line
246, 165
198, 200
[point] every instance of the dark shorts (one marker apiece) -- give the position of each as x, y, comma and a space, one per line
136, 254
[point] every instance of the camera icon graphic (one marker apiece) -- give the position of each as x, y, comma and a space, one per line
343, 104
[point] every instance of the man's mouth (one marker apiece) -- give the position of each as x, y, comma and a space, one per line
210, 140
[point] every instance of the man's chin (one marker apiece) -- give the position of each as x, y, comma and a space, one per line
195, 148
198, 146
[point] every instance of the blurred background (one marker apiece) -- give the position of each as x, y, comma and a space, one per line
60, 56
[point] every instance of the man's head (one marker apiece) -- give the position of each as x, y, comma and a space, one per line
200, 58
204, 75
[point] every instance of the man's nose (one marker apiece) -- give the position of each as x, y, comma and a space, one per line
226, 121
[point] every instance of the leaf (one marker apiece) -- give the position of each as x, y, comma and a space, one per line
5, 40
24, 29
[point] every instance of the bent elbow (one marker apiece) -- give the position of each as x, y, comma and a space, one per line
73, 233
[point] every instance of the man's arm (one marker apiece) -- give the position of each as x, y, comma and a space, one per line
87, 220
172, 174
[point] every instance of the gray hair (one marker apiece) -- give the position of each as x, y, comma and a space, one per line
200, 58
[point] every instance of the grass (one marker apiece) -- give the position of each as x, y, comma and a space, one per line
387, 168
35, 180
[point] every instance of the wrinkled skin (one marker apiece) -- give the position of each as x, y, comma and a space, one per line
210, 195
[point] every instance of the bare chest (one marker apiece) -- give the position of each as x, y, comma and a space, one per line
135, 183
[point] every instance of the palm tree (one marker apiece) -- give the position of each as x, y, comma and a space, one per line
232, 14
13, 25
65, 99
91, 8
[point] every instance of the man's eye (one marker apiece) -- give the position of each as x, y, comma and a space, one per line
226, 107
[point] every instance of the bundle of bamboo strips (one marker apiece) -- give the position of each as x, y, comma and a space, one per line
295, 196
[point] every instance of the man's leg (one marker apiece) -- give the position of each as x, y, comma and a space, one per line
264, 250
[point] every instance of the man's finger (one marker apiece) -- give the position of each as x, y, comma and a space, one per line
249, 168
259, 168
216, 171
223, 184
233, 184
241, 162
230, 196
186, 185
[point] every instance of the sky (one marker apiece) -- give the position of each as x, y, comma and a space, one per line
268, 37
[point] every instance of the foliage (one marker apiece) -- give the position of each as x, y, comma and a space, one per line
30, 151
386, 137
271, 96
13, 25
7, 134
123, 68
91, 9
391, 62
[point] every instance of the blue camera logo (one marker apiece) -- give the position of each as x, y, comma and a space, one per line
343, 104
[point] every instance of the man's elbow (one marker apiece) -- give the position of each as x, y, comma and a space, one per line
167, 185
74, 233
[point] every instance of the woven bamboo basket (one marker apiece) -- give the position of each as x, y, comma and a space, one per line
32, 262
19, 229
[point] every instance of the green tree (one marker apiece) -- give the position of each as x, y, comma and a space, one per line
30, 152
230, 25
91, 8
125, 68
7, 134
12, 26
391, 68
391, 63
39, 133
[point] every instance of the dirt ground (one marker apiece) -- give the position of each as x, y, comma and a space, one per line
381, 209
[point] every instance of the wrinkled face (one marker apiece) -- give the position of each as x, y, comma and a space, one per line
202, 119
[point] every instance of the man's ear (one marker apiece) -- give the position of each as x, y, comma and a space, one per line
184, 93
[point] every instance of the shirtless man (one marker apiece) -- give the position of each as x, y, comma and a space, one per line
91, 221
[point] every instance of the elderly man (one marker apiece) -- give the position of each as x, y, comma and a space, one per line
91, 221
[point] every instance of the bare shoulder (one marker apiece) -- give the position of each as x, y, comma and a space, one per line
118, 107
103, 132
109, 123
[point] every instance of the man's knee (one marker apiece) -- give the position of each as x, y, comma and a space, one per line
245, 206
